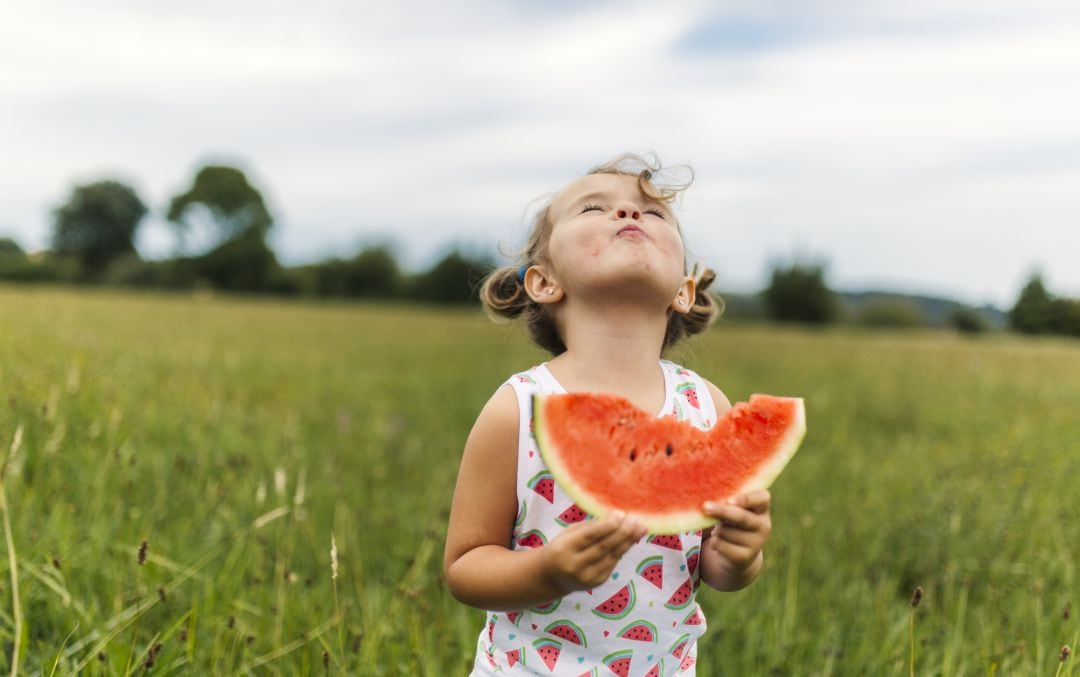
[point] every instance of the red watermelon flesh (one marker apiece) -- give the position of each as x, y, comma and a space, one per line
609, 455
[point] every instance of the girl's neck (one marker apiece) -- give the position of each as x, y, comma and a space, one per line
612, 349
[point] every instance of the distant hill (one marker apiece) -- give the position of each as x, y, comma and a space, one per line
935, 311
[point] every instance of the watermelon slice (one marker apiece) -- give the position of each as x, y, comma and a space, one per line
652, 570
567, 630
639, 631
619, 604
549, 651
619, 662
609, 455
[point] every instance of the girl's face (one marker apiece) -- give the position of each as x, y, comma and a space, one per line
607, 236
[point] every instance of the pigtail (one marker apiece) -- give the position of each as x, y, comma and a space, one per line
502, 293
705, 310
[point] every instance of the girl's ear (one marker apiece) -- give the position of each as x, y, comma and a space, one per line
541, 286
684, 299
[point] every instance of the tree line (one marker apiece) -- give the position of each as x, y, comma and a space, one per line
93, 242
799, 293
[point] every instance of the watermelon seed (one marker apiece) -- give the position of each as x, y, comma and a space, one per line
669, 450
633, 454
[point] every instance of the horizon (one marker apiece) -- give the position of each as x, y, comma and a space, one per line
931, 148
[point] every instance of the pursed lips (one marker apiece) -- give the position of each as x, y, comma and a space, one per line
633, 230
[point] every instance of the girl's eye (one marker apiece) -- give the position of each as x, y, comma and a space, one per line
589, 208
656, 212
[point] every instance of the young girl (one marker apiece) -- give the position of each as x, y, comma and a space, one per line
602, 285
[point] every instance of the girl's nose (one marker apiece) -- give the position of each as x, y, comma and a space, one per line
628, 210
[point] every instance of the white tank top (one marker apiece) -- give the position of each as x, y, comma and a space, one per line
644, 620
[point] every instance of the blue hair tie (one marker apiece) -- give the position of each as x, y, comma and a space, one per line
521, 273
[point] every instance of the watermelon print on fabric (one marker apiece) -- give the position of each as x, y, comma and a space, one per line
644, 620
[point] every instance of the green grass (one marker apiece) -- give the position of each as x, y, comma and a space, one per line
930, 460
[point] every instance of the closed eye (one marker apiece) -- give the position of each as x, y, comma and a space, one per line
656, 211
591, 207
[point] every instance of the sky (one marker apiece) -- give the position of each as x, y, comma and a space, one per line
929, 146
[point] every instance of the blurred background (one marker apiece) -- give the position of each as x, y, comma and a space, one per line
928, 149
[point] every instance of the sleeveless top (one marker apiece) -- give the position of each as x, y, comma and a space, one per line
644, 620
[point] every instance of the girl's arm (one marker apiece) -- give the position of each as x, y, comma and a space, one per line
481, 569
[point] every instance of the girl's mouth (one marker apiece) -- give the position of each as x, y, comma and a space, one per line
631, 231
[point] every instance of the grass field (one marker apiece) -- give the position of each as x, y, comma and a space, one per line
236, 437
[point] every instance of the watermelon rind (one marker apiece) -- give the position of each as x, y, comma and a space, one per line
671, 522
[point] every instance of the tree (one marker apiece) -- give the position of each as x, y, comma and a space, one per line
222, 200
453, 279
1033, 312
10, 250
799, 294
97, 224
373, 273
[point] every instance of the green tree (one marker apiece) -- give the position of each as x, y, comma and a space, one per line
222, 200
10, 250
968, 321
372, 273
97, 224
1033, 312
798, 293
453, 279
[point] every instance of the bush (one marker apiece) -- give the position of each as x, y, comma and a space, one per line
895, 313
968, 321
799, 294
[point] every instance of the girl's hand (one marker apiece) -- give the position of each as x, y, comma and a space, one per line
734, 546
584, 554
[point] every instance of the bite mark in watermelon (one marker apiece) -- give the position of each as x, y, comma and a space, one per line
543, 484
549, 651
639, 631
681, 598
608, 455
652, 570
567, 630
619, 604
619, 662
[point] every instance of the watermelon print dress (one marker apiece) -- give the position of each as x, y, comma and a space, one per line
644, 621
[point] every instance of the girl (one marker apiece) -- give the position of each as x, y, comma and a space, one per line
602, 285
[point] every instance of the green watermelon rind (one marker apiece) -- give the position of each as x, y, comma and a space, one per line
669, 522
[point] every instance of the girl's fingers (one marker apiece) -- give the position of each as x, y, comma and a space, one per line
732, 516
756, 501
740, 537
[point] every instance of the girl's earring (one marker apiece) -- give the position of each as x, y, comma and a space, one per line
550, 291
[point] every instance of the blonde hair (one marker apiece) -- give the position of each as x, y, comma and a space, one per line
504, 296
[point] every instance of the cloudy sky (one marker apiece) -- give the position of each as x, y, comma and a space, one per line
930, 146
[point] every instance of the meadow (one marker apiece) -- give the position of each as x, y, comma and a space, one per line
239, 438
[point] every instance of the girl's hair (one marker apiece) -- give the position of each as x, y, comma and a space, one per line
503, 294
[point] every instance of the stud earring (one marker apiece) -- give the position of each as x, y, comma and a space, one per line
550, 291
